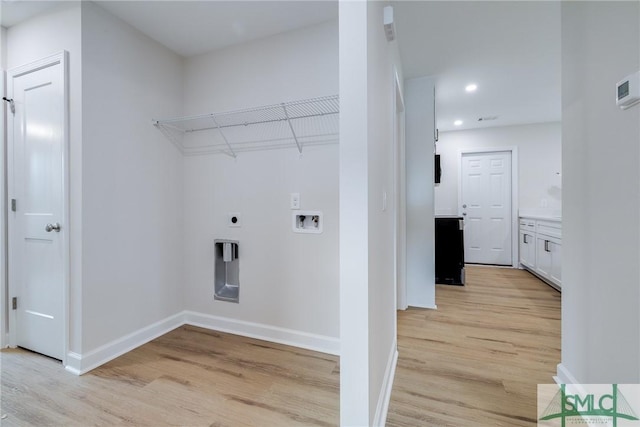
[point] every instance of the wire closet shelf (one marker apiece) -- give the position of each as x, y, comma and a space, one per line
289, 124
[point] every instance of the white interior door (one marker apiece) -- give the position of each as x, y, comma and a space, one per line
486, 207
36, 132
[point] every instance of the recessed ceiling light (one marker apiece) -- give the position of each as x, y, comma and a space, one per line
457, 122
471, 87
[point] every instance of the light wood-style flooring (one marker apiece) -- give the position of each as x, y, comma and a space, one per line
475, 361
190, 377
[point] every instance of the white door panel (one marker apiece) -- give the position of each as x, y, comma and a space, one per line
486, 207
36, 180
473, 234
495, 235
496, 190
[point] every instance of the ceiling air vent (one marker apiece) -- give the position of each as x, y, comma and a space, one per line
487, 118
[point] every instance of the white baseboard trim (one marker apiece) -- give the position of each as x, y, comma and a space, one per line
79, 364
380, 418
573, 386
320, 343
430, 307
82, 363
564, 376
74, 363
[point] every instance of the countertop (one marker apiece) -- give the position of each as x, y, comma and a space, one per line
543, 217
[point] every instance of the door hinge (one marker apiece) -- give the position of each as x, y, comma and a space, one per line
14, 303
13, 205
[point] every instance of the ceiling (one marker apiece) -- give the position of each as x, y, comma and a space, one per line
510, 49
13, 12
195, 27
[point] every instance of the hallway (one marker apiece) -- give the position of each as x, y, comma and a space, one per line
478, 358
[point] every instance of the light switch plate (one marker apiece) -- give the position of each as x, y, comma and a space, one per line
295, 200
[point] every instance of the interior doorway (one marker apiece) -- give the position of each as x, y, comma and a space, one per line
37, 130
487, 202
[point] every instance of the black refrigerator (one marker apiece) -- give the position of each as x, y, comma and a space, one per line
449, 250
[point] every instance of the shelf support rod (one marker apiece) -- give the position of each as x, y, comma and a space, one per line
295, 138
233, 154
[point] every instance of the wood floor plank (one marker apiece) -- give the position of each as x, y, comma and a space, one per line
474, 361
478, 358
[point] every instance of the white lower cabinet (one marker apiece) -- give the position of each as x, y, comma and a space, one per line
555, 274
549, 259
527, 249
541, 249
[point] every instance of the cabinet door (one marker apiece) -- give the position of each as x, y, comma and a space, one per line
555, 273
527, 252
543, 256
524, 249
531, 243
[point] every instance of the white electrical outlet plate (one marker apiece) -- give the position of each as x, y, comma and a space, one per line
295, 200
234, 219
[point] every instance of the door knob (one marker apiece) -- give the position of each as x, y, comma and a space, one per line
464, 214
464, 206
51, 227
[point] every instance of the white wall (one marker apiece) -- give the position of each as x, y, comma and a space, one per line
355, 400
367, 294
420, 199
382, 58
29, 41
288, 66
601, 202
287, 280
539, 161
132, 181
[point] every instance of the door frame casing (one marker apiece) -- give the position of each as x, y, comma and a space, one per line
514, 190
4, 327
61, 58
400, 195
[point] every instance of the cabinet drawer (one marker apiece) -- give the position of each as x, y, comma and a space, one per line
552, 229
527, 225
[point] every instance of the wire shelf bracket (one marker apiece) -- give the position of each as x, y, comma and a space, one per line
297, 124
226, 141
293, 132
